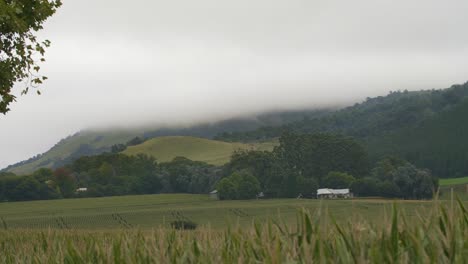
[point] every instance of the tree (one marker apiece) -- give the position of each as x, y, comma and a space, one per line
187, 176
118, 148
226, 189
384, 168
259, 163
399, 178
337, 180
135, 141
105, 173
425, 185
65, 181
307, 186
7, 187
388, 189
365, 187
414, 183
28, 189
19, 47
239, 185
43, 174
247, 186
315, 155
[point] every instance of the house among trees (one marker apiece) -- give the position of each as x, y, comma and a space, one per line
326, 193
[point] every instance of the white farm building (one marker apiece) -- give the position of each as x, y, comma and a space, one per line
81, 190
326, 193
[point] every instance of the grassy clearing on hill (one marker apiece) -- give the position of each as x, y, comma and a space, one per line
197, 149
313, 237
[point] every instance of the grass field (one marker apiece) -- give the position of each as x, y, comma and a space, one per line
453, 181
150, 211
458, 185
197, 149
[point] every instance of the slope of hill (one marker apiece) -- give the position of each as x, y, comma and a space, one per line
197, 149
71, 148
97, 142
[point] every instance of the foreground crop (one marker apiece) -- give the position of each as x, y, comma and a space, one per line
441, 237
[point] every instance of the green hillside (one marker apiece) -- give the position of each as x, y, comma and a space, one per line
73, 147
197, 149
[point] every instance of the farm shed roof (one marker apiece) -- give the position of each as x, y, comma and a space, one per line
332, 191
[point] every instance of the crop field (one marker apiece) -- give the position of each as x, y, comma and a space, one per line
341, 234
152, 211
197, 149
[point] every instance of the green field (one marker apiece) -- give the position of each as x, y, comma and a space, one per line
150, 211
453, 181
197, 149
459, 186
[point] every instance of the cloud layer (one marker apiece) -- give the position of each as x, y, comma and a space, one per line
128, 63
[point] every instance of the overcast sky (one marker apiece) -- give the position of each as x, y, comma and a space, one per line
126, 63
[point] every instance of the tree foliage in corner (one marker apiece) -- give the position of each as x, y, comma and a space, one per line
20, 50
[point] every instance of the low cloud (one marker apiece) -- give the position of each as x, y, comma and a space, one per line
120, 63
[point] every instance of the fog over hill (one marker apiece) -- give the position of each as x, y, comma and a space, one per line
148, 63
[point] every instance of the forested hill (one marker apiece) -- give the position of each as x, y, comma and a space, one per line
439, 143
375, 116
428, 128
96, 142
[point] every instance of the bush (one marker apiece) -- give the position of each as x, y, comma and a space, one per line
184, 225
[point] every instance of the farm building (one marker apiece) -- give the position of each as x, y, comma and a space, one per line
81, 190
326, 193
214, 195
